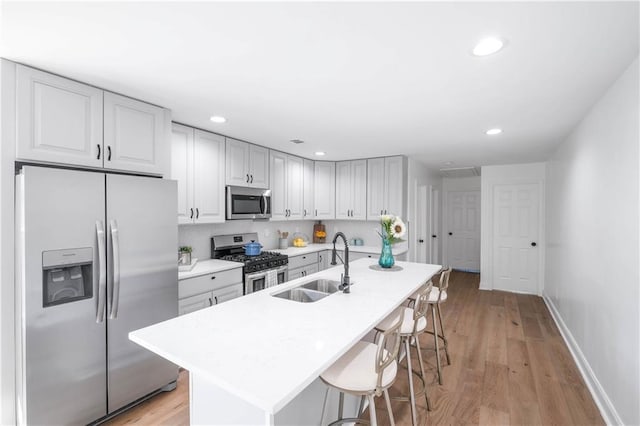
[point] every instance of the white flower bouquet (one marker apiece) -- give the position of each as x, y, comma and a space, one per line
393, 228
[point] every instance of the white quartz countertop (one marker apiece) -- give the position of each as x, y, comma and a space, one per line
311, 248
209, 266
265, 349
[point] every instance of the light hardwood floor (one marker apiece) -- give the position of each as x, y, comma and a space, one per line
509, 365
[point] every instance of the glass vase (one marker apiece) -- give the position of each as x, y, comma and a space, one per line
386, 256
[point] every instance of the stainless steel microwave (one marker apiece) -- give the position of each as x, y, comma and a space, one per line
248, 203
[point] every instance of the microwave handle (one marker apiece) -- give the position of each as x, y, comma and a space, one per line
263, 204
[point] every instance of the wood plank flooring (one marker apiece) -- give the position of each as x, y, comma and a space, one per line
509, 365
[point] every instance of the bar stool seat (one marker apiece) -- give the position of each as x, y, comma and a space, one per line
355, 371
407, 322
436, 294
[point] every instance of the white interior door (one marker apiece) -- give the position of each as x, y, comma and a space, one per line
515, 237
463, 230
422, 216
434, 225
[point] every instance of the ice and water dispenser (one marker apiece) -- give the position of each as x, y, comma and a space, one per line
67, 275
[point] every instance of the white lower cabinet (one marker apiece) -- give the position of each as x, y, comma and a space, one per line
302, 272
324, 258
194, 303
208, 290
303, 265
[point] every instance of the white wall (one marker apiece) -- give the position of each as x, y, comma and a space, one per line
592, 277
418, 175
501, 175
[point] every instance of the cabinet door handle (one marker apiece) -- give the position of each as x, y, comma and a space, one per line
210, 302
191, 217
247, 177
304, 212
213, 277
197, 212
450, 233
216, 297
98, 157
251, 179
316, 212
533, 244
108, 152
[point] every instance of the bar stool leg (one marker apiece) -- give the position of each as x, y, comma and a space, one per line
341, 405
324, 406
361, 408
436, 342
372, 409
444, 338
386, 398
412, 396
424, 380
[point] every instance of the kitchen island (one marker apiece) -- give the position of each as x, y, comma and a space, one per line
257, 359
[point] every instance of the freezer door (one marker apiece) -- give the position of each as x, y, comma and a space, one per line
142, 281
62, 343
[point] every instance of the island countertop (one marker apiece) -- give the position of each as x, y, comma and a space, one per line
264, 349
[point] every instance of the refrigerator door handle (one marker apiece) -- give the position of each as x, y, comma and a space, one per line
115, 243
102, 266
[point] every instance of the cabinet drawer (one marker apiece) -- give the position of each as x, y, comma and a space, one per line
195, 303
302, 260
356, 255
196, 285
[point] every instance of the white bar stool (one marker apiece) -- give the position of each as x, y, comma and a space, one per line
436, 298
366, 370
414, 323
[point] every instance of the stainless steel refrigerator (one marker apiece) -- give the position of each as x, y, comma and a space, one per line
96, 259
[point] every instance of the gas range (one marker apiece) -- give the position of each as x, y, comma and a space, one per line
263, 261
262, 271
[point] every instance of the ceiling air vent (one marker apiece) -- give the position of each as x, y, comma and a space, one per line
460, 172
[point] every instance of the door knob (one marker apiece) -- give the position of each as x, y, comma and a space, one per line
450, 233
533, 244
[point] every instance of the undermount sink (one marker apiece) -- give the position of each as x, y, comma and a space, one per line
309, 292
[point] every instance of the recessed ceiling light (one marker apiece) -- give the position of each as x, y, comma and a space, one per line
319, 153
493, 132
448, 163
488, 46
218, 119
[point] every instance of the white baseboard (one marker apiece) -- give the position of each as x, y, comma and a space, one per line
607, 410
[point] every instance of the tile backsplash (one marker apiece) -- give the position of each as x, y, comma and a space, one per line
199, 236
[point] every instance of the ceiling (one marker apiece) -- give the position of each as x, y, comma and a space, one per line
352, 79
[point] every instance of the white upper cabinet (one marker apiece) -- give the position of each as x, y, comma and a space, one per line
197, 163
385, 188
286, 186
351, 190
375, 188
182, 170
308, 189
324, 201
58, 120
247, 164
295, 176
208, 177
63, 121
134, 135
